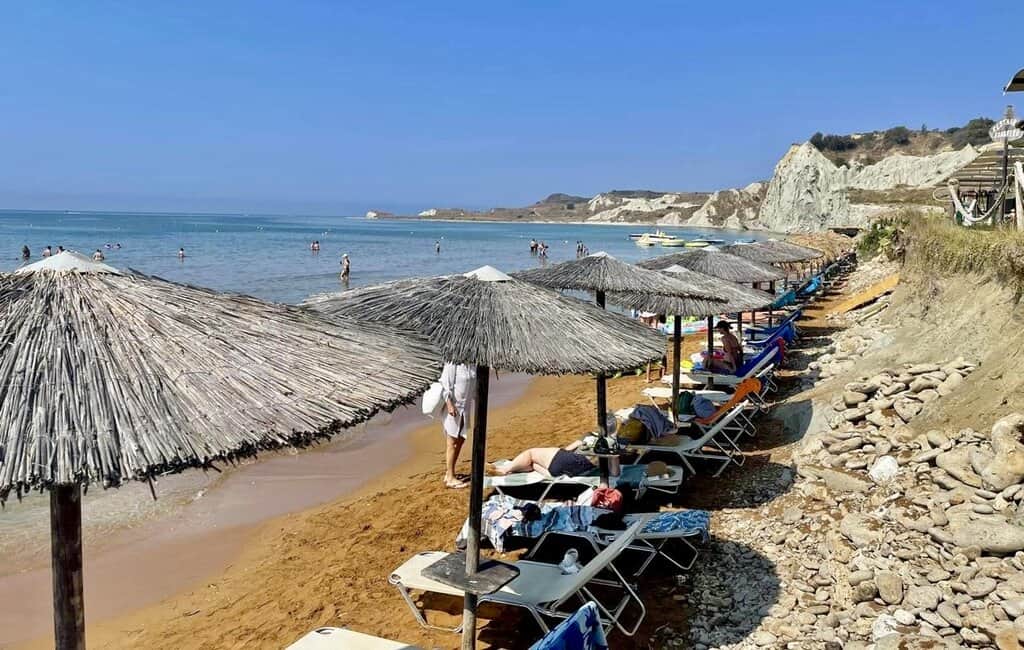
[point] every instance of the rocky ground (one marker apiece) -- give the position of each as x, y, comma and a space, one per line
860, 531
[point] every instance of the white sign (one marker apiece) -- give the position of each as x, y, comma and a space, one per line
1006, 128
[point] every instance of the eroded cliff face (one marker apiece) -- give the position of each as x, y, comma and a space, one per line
732, 208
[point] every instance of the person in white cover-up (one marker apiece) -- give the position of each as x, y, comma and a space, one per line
458, 386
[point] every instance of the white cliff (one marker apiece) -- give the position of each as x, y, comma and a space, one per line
732, 208
609, 208
910, 171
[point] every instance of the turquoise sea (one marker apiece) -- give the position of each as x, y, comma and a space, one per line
268, 256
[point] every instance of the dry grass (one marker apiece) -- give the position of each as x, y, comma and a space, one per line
941, 248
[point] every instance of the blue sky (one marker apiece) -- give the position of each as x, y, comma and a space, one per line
334, 107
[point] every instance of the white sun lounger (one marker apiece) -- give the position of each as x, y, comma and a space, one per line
716, 437
669, 483
542, 589
336, 638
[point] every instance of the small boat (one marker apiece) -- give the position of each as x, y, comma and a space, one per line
674, 242
698, 243
657, 235
645, 241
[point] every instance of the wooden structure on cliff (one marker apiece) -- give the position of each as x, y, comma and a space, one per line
986, 189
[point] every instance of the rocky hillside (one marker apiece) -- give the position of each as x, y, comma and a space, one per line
829, 181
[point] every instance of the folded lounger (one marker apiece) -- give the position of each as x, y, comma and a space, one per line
749, 392
542, 589
336, 638
658, 529
629, 475
723, 446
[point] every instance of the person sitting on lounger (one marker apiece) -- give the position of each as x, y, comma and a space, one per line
732, 359
555, 461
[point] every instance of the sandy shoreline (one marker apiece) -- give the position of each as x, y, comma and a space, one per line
128, 568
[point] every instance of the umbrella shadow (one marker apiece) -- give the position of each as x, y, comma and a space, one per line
723, 598
757, 482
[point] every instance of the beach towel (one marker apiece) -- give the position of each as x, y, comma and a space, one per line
581, 631
502, 517
687, 522
654, 420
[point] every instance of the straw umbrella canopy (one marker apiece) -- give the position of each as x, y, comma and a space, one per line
491, 320
110, 376
603, 273
773, 251
717, 263
737, 299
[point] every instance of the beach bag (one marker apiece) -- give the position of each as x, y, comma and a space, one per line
684, 405
632, 431
433, 400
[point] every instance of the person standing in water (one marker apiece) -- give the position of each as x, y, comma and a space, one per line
437, 247
346, 267
181, 253
98, 256
26, 254
47, 251
458, 387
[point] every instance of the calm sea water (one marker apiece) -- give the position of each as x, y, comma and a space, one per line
269, 256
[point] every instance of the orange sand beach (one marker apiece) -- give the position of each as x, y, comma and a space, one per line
328, 565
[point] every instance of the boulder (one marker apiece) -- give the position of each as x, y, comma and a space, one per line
894, 388
884, 470
856, 414
890, 587
928, 395
853, 398
878, 419
906, 409
991, 534
950, 384
921, 368
864, 387
838, 481
957, 462
921, 383
844, 446
926, 597
861, 530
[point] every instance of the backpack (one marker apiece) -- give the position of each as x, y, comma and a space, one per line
684, 404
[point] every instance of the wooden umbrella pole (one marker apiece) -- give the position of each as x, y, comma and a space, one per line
66, 561
771, 290
602, 396
677, 345
476, 502
711, 349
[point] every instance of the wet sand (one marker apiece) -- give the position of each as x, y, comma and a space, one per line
127, 568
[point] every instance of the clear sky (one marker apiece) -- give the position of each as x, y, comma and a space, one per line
334, 107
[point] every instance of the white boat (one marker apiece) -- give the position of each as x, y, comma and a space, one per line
645, 241
657, 235
675, 242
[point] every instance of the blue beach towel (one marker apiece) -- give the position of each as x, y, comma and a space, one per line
687, 522
581, 631
501, 517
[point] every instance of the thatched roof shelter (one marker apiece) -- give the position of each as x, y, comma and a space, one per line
109, 376
718, 264
832, 244
490, 319
502, 323
736, 298
602, 272
773, 251
1016, 83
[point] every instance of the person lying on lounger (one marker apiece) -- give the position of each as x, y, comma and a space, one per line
555, 461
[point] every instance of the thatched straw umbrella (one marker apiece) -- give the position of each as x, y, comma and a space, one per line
722, 265
110, 376
774, 251
737, 299
602, 273
488, 319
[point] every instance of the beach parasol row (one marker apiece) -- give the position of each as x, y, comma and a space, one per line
110, 376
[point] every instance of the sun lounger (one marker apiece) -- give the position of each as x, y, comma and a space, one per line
629, 475
581, 631
753, 367
336, 638
657, 531
722, 446
541, 589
